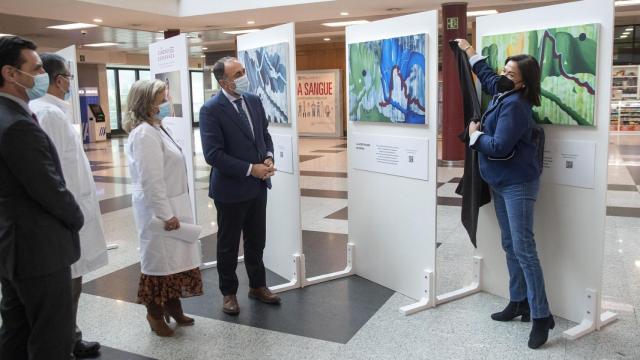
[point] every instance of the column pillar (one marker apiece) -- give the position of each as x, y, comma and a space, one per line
454, 21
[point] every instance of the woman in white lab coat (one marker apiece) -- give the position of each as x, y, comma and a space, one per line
170, 267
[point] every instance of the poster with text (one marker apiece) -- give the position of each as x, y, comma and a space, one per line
387, 80
567, 57
267, 68
319, 100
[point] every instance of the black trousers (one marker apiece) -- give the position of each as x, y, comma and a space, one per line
249, 219
76, 290
36, 317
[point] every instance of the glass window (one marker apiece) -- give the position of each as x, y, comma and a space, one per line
144, 75
197, 93
112, 92
126, 78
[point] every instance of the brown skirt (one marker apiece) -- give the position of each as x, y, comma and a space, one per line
160, 289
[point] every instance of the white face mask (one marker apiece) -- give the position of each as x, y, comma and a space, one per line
242, 84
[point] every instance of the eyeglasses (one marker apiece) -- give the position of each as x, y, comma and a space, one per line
67, 76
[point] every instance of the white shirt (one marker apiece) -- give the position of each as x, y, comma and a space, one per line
231, 99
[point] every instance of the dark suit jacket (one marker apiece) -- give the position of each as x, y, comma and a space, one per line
39, 218
229, 147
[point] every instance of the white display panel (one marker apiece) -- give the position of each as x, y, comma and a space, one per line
393, 155
569, 163
284, 234
169, 62
283, 153
392, 219
569, 221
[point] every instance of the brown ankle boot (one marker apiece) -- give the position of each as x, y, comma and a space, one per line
173, 308
156, 322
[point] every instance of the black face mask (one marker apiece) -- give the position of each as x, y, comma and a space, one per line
505, 84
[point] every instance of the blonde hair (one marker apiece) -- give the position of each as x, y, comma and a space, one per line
140, 101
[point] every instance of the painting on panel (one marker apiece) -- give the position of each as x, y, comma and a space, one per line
387, 80
267, 69
567, 58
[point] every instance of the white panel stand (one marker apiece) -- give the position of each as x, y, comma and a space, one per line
296, 280
593, 319
471, 289
212, 264
348, 271
426, 302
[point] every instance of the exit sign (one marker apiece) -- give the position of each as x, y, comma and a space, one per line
452, 23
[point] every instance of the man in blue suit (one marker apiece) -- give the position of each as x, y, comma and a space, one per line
237, 144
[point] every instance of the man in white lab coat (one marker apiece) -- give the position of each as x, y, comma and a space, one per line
55, 115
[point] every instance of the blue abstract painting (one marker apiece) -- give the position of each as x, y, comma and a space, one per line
387, 80
267, 69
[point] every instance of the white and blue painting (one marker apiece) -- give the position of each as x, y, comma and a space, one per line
267, 69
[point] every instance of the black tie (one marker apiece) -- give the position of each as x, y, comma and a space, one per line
243, 116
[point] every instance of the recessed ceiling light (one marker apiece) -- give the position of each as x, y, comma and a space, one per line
251, 22
344, 13
623, 37
481, 13
345, 23
75, 26
3, 35
104, 44
629, 29
204, 48
96, 20
627, 2
237, 32
327, 39
203, 56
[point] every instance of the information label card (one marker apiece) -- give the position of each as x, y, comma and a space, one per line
283, 153
393, 155
569, 163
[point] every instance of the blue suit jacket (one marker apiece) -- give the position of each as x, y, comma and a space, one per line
507, 156
229, 147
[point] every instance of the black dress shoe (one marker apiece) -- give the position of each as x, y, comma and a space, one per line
540, 331
86, 349
513, 310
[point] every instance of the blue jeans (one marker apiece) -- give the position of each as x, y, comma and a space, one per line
514, 210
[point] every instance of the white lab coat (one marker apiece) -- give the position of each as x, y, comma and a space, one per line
159, 176
54, 116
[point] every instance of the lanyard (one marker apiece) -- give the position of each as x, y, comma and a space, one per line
173, 141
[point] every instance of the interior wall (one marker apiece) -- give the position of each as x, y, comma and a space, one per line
325, 56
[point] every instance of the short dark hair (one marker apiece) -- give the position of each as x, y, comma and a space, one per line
54, 65
11, 52
218, 67
530, 72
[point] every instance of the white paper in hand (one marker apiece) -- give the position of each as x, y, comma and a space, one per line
187, 232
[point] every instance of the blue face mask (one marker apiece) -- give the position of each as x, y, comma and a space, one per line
242, 84
164, 110
40, 85
67, 95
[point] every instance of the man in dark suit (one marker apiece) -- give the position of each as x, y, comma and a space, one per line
39, 218
237, 144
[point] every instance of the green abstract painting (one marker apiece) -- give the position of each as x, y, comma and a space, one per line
567, 57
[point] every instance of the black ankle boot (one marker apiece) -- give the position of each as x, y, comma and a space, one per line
540, 331
513, 310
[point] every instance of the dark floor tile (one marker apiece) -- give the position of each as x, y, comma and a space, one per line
455, 180
328, 151
449, 201
442, 163
334, 194
341, 146
304, 158
107, 353
324, 174
115, 204
100, 167
111, 179
332, 311
91, 162
342, 214
634, 171
623, 211
440, 184
618, 187
325, 253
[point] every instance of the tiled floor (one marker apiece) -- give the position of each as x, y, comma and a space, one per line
350, 318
